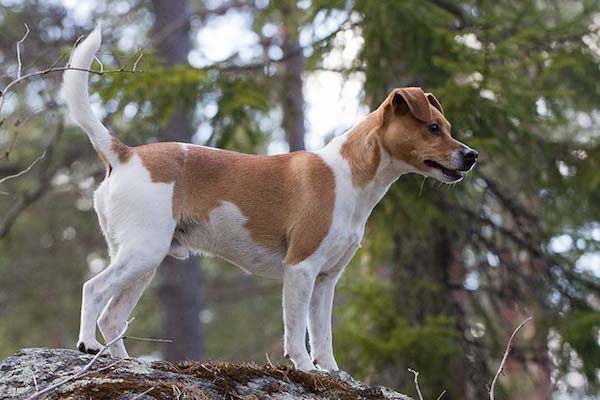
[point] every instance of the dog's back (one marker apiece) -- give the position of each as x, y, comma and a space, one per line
232, 204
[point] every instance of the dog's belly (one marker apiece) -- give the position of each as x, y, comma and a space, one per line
224, 235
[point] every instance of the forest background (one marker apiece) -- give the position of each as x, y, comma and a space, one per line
445, 272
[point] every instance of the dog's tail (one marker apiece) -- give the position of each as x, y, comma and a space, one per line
75, 86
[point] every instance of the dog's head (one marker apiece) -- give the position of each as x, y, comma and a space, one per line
415, 131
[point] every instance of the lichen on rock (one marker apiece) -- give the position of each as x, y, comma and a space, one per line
130, 378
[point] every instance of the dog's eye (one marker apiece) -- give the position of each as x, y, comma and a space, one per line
434, 128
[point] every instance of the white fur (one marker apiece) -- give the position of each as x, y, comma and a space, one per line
136, 218
75, 89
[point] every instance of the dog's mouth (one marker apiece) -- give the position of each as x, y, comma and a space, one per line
453, 175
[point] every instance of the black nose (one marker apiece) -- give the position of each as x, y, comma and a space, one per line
470, 154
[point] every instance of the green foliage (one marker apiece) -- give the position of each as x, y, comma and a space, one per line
382, 336
579, 331
156, 91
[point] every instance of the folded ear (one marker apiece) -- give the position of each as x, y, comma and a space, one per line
411, 99
434, 102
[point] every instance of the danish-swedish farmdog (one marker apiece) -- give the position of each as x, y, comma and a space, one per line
298, 217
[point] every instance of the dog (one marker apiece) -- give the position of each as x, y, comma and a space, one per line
297, 217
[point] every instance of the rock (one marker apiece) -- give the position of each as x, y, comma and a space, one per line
144, 380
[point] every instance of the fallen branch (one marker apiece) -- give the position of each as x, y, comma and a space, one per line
508, 345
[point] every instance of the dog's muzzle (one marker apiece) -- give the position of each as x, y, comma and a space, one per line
461, 161
469, 158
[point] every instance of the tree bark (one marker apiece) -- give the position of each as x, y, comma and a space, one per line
292, 95
180, 281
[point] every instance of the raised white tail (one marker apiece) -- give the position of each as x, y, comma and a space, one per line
75, 86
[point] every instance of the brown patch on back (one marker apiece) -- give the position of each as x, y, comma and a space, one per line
288, 199
361, 151
165, 161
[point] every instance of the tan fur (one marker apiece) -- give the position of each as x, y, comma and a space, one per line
418, 103
406, 136
434, 102
401, 129
362, 151
277, 194
123, 151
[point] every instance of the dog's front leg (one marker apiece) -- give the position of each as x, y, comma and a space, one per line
298, 282
321, 306
319, 322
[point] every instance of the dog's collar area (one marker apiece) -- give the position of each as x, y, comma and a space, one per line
450, 173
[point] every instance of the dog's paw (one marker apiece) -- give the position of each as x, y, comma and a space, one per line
326, 364
89, 348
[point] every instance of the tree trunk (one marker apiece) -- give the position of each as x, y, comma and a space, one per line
292, 101
180, 281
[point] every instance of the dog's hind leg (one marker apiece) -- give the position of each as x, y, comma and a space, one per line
112, 320
101, 210
133, 261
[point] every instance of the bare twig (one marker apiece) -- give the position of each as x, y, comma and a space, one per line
21, 204
79, 39
26, 170
441, 395
44, 177
177, 392
109, 366
139, 396
82, 371
46, 71
416, 374
508, 345
19, 43
53, 68
147, 339
269, 360
99, 62
59, 59
34, 380
137, 60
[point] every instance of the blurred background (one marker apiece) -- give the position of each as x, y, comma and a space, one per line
445, 272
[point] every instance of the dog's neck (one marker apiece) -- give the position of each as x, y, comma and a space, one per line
363, 164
